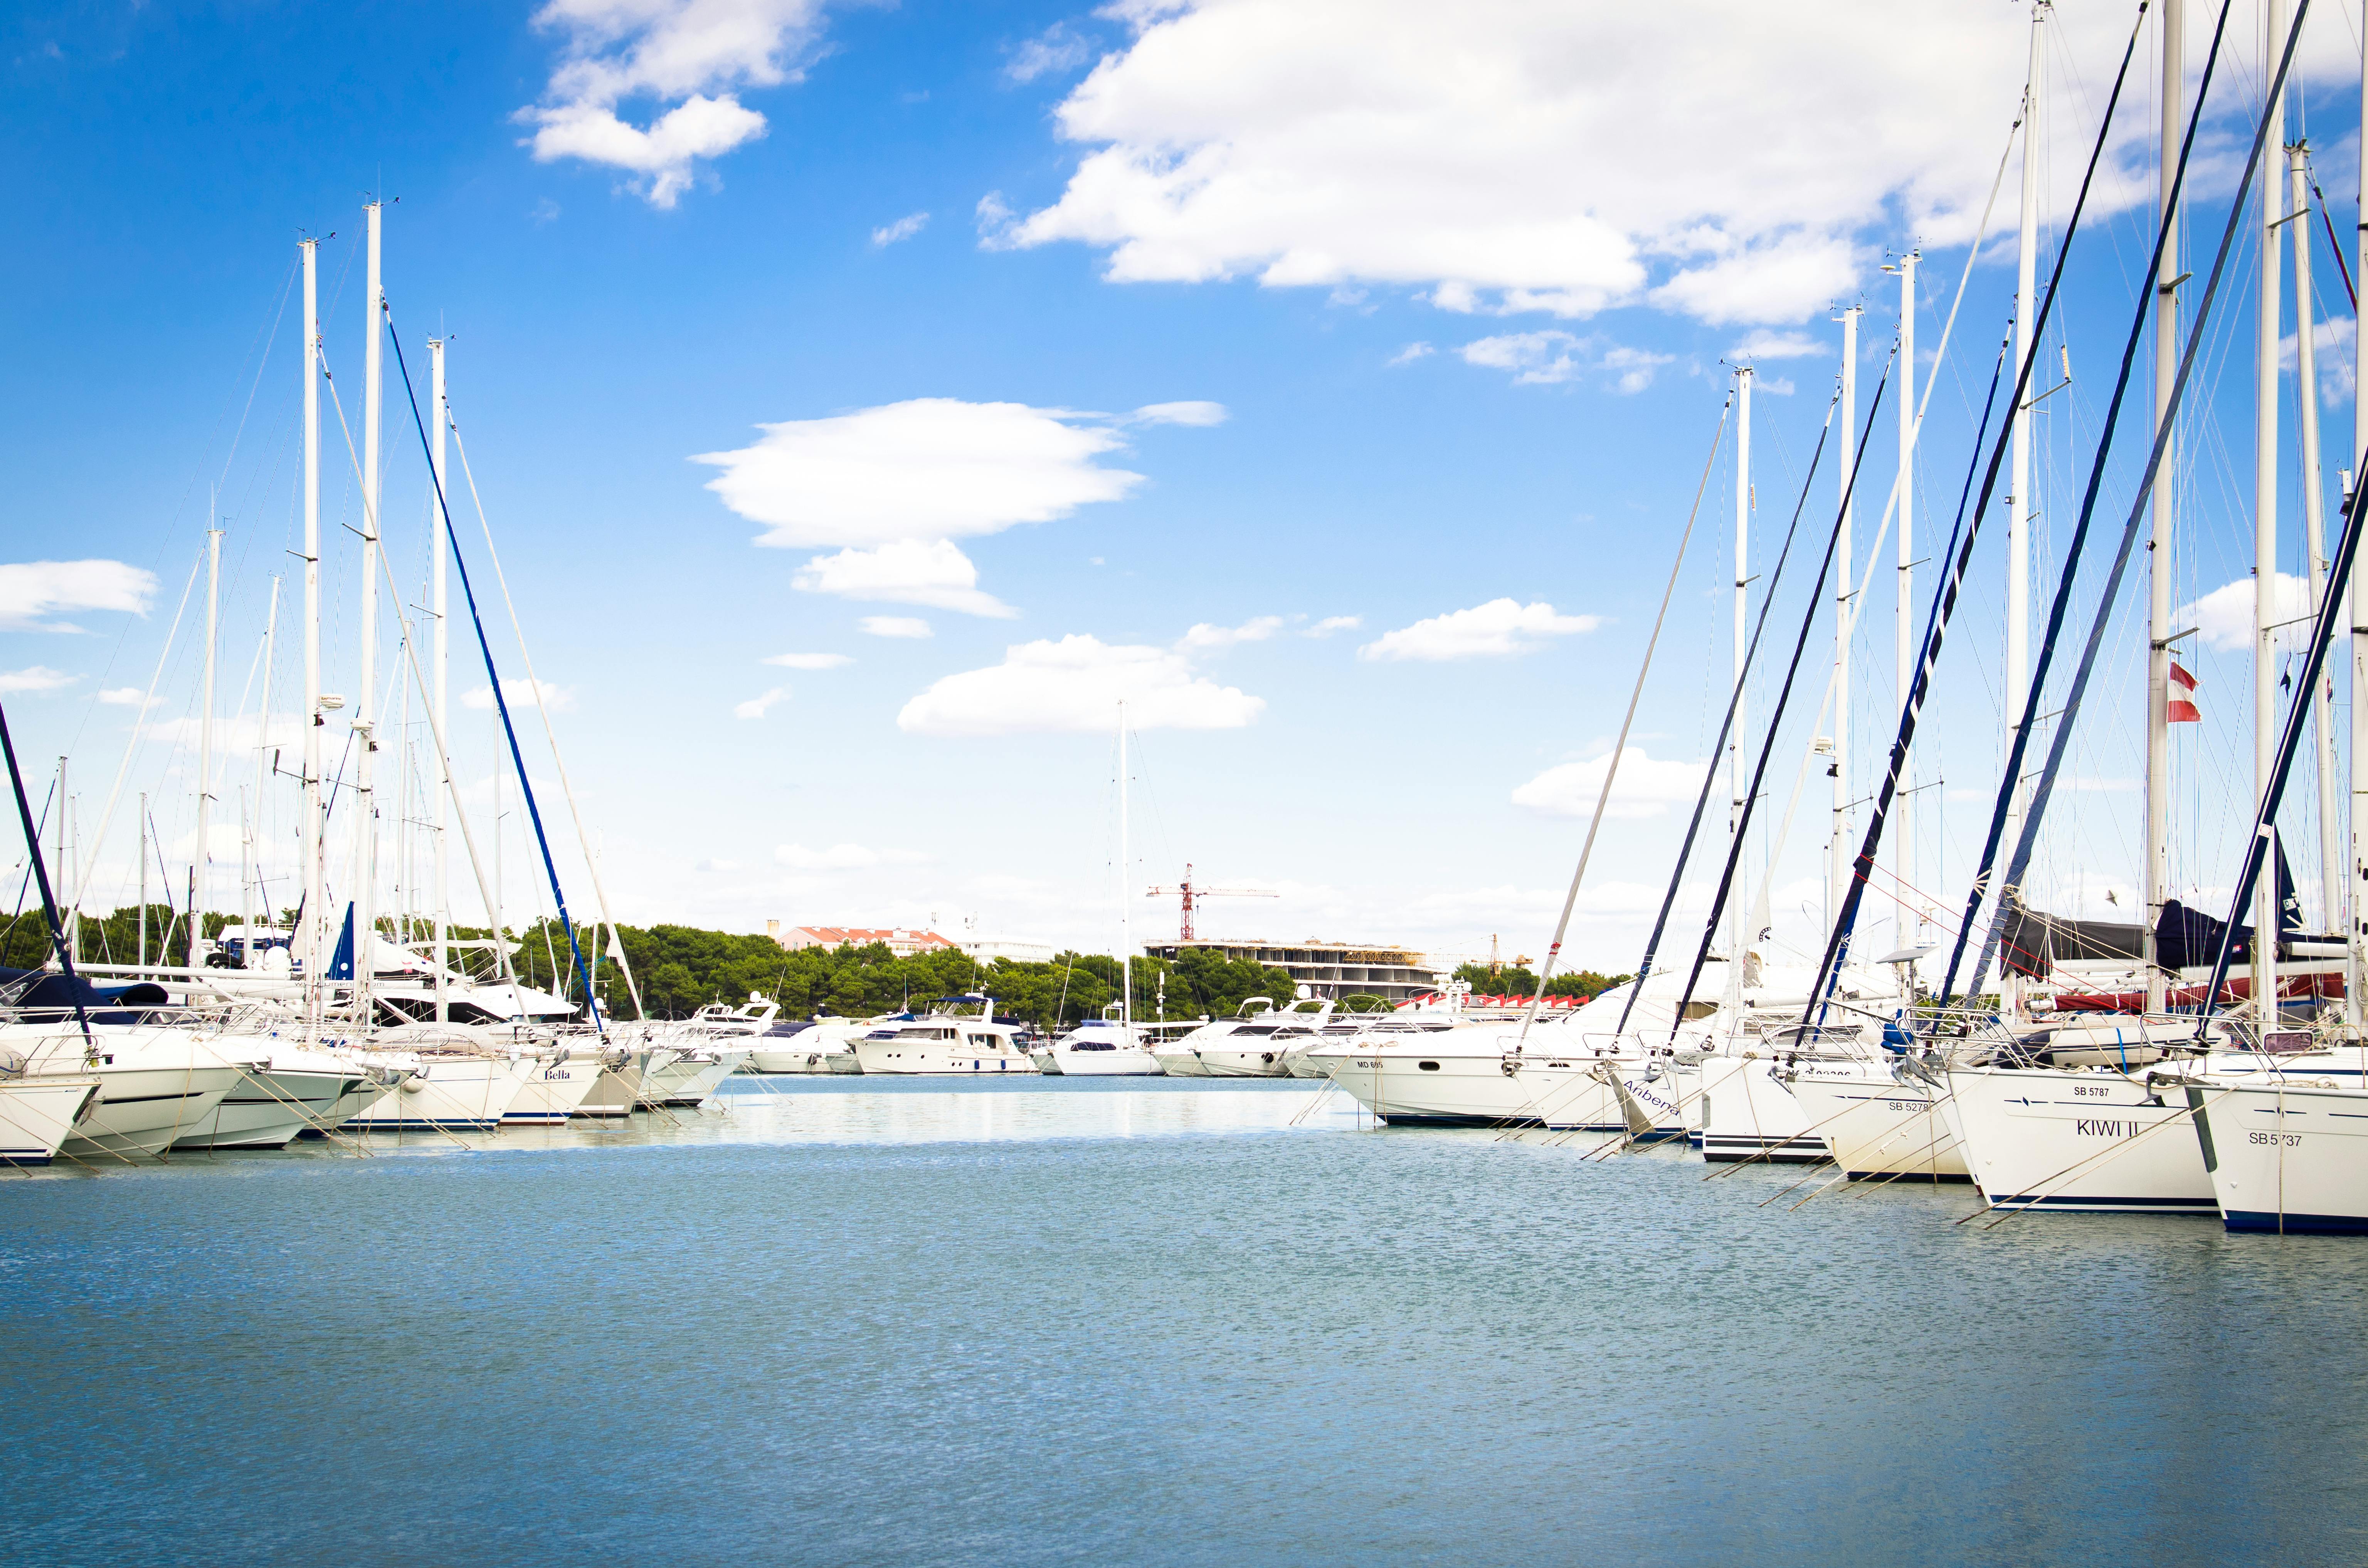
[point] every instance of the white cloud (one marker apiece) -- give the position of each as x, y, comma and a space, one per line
895, 625
1256, 629
1075, 685
904, 228
810, 661
931, 468
2224, 618
1508, 155
905, 572
32, 591
1646, 786
1057, 47
693, 54
122, 696
523, 693
754, 707
843, 858
39, 678
1191, 413
1410, 353
1765, 343
1332, 623
2331, 344
1543, 359
1494, 629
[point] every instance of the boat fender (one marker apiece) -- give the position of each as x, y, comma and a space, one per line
413, 1086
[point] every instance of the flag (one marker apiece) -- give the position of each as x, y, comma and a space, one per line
2179, 706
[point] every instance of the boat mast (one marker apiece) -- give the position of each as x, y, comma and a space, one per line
2266, 891
1125, 937
1903, 852
310, 942
2165, 501
2313, 516
443, 675
1838, 844
139, 964
2356, 964
2017, 675
251, 875
1736, 802
199, 860
65, 872
365, 900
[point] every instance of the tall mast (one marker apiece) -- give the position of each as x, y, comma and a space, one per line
2265, 529
1125, 937
2166, 494
308, 944
1903, 836
365, 874
437, 555
2017, 502
1838, 844
2313, 514
1735, 769
253, 872
2355, 974
65, 871
140, 962
198, 860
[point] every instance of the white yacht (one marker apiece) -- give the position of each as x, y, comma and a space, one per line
968, 1043
706, 1048
452, 1081
294, 1090
820, 1044
1098, 1047
156, 1081
2287, 1150
1247, 1045
37, 1115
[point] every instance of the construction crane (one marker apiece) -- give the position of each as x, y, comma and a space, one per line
1191, 890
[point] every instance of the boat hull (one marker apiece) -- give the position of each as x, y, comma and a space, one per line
1748, 1114
448, 1094
142, 1110
37, 1115
2090, 1143
1880, 1129
2285, 1159
552, 1092
269, 1106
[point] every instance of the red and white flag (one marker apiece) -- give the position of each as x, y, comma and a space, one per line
2178, 704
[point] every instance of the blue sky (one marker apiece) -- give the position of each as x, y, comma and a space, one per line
1384, 349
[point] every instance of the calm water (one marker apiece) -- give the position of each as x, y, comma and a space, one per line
925, 1322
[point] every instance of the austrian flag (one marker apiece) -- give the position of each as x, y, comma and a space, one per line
2179, 701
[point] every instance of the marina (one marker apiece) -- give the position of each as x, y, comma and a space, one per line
1840, 1036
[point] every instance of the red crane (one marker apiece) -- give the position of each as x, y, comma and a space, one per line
1191, 889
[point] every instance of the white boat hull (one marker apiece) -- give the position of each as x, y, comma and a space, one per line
1438, 1090
552, 1091
1222, 1061
2288, 1159
448, 1094
1748, 1114
2040, 1138
270, 1107
142, 1110
37, 1115
909, 1057
1123, 1062
1879, 1128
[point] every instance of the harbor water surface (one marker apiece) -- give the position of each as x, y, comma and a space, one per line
866, 1322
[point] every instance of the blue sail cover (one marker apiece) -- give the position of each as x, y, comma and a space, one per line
52, 991
341, 962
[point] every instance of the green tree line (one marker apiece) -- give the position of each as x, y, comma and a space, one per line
1517, 980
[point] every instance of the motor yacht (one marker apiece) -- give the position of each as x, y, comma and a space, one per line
1098, 1047
819, 1044
946, 1041
37, 1115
